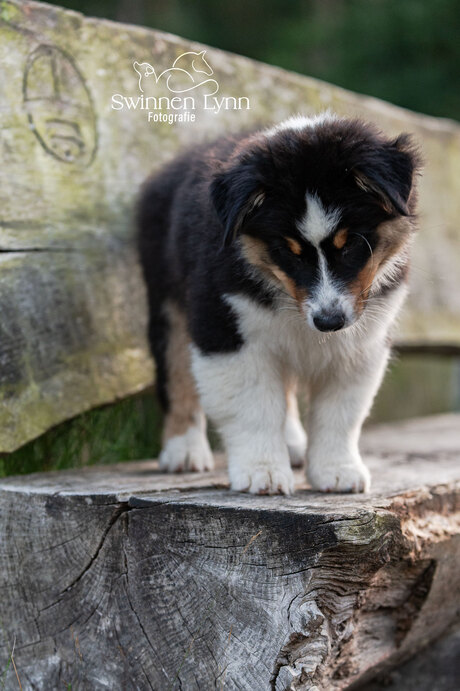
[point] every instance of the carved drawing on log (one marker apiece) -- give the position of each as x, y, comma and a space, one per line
59, 106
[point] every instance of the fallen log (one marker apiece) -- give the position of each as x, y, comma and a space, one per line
126, 578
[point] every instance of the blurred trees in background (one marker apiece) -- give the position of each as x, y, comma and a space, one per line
404, 51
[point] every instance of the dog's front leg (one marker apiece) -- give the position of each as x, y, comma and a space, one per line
341, 400
244, 394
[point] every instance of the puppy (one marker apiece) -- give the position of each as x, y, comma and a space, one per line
271, 258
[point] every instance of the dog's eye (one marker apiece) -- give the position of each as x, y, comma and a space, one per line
294, 246
355, 245
340, 239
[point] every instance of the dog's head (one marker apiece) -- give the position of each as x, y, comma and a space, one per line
323, 210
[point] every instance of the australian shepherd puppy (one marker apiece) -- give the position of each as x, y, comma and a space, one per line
273, 258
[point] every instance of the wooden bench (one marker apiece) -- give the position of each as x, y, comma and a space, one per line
124, 578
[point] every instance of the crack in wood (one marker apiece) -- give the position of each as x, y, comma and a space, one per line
407, 612
321, 595
119, 511
144, 633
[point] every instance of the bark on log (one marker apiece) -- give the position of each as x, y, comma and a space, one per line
72, 305
123, 578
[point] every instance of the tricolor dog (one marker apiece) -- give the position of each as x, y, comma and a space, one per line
275, 258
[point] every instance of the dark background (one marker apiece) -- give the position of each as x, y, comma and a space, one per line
404, 51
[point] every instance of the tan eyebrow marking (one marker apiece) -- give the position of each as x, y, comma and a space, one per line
294, 246
340, 238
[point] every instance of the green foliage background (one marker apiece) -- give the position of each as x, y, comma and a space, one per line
404, 51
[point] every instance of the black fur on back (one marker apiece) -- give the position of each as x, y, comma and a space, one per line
192, 213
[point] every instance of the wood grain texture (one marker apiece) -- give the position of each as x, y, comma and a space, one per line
125, 578
72, 304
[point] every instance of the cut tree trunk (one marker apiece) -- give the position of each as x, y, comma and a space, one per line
125, 578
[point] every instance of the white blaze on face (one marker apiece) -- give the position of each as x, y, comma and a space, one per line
318, 222
329, 295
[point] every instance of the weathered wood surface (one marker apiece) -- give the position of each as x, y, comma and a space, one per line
123, 578
72, 305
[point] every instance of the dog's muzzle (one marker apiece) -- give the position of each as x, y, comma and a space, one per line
329, 321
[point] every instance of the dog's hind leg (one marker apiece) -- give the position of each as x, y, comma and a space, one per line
294, 432
185, 444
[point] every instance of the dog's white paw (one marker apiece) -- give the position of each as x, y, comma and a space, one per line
262, 479
187, 452
296, 440
344, 476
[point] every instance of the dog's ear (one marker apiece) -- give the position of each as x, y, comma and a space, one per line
236, 193
389, 174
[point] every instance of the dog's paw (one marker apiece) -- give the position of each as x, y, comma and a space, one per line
262, 479
187, 452
296, 440
351, 476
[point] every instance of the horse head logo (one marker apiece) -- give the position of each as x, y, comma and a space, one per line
183, 76
199, 63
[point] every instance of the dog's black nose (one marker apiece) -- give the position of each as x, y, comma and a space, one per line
333, 321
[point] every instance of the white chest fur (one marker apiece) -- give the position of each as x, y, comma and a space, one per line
245, 393
286, 335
